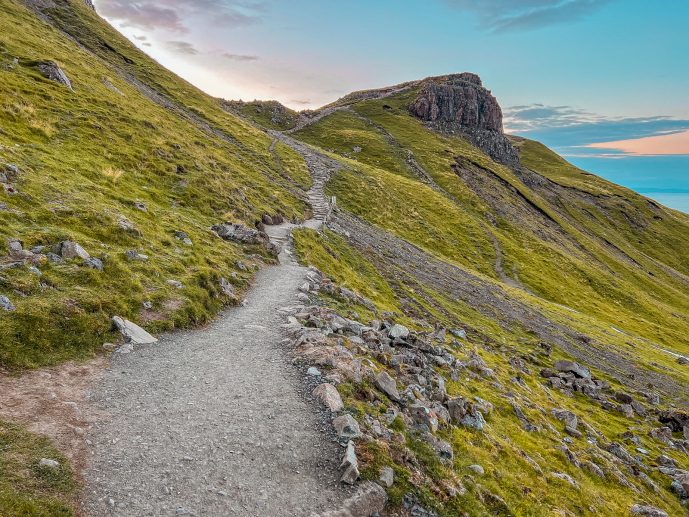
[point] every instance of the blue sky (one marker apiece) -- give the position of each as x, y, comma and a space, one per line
567, 72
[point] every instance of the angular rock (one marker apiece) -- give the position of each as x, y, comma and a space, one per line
227, 288
387, 385
477, 469
6, 304
52, 71
424, 416
350, 464
575, 368
47, 462
369, 500
175, 283
387, 476
647, 511
133, 255
239, 233
398, 331
94, 263
69, 250
347, 428
329, 396
133, 333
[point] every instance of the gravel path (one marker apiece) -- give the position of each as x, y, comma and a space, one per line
213, 421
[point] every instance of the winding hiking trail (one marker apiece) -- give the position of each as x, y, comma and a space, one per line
214, 421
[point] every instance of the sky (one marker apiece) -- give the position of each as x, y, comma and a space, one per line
603, 82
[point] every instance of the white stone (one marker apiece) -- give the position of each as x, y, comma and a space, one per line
132, 332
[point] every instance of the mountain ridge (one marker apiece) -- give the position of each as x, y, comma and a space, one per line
505, 332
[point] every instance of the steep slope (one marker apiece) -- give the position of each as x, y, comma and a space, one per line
530, 262
128, 161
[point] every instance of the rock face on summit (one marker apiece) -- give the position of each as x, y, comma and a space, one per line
460, 104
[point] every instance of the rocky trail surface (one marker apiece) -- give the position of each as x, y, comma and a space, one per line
214, 421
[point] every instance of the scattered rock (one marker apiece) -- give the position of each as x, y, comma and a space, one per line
182, 236
329, 396
313, 371
398, 332
565, 477
52, 71
350, 464
175, 283
369, 500
133, 333
6, 304
647, 511
477, 469
133, 255
387, 385
683, 360
69, 250
49, 463
239, 233
346, 427
575, 368
94, 263
387, 476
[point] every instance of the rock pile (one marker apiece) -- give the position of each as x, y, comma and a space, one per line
244, 235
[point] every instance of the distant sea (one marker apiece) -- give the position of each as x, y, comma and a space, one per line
662, 178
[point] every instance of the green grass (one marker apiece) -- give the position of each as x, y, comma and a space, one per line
87, 156
504, 447
26, 487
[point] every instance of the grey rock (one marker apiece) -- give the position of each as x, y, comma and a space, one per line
329, 396
570, 419
227, 288
647, 511
175, 283
387, 476
133, 255
565, 477
346, 427
387, 385
350, 464
49, 463
52, 71
369, 500
238, 233
6, 304
133, 333
478, 469
459, 333
313, 371
70, 249
573, 367
398, 332
94, 263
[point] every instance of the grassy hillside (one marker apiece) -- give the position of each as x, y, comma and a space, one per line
527, 260
535, 263
122, 162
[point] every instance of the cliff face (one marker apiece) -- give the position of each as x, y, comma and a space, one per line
459, 103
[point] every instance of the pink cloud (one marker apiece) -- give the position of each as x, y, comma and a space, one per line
669, 144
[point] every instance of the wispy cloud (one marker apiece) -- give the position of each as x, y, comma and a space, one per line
513, 15
175, 15
572, 131
182, 47
239, 57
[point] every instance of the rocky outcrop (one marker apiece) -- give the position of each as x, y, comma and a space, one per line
459, 104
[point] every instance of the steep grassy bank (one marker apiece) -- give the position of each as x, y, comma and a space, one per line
130, 159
